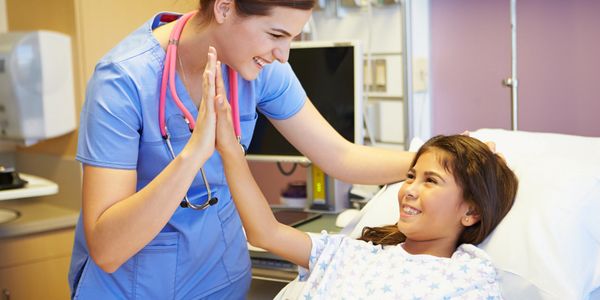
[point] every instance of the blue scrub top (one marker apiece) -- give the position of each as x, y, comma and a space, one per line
198, 254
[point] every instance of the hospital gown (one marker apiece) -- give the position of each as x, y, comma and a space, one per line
344, 268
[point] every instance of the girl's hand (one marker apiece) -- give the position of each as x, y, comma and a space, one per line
204, 133
226, 141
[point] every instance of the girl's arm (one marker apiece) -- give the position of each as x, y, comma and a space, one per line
262, 229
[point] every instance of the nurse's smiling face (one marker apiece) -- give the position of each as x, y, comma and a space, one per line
248, 43
431, 202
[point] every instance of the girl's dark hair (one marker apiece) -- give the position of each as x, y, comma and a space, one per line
485, 181
248, 8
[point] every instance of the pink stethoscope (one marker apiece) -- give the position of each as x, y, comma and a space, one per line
168, 76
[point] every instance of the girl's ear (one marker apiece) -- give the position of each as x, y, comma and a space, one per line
222, 10
471, 217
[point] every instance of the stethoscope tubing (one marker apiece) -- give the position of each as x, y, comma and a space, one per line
235, 109
168, 80
168, 77
186, 202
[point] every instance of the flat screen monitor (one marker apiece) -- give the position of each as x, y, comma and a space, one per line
331, 75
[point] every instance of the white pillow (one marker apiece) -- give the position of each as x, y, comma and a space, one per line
548, 246
381, 210
551, 236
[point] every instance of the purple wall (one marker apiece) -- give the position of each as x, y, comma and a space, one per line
559, 62
558, 49
470, 55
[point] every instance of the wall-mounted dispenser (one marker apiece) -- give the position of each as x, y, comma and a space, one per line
37, 99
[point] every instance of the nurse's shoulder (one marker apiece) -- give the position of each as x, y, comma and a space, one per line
139, 47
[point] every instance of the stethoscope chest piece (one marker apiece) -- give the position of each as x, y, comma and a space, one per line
186, 203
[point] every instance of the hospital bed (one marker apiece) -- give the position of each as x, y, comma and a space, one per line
548, 246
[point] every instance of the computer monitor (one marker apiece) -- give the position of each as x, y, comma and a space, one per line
331, 74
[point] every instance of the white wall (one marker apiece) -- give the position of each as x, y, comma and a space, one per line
379, 29
353, 23
421, 71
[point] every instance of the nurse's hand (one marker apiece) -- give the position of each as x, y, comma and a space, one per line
226, 141
491, 145
203, 137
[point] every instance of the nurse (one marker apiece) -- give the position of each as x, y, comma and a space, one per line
134, 238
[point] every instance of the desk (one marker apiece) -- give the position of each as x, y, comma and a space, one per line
36, 186
270, 267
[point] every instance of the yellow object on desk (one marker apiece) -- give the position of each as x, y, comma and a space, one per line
319, 186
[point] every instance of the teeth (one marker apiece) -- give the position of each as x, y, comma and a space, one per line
410, 211
260, 61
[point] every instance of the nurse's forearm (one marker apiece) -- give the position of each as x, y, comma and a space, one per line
310, 133
117, 229
368, 165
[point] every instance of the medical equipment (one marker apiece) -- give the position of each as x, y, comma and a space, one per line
361, 194
325, 193
10, 179
37, 100
168, 76
319, 65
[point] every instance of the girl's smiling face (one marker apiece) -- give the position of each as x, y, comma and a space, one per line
432, 208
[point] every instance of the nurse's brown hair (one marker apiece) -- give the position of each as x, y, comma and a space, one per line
246, 8
483, 177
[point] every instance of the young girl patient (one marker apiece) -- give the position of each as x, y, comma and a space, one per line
455, 194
